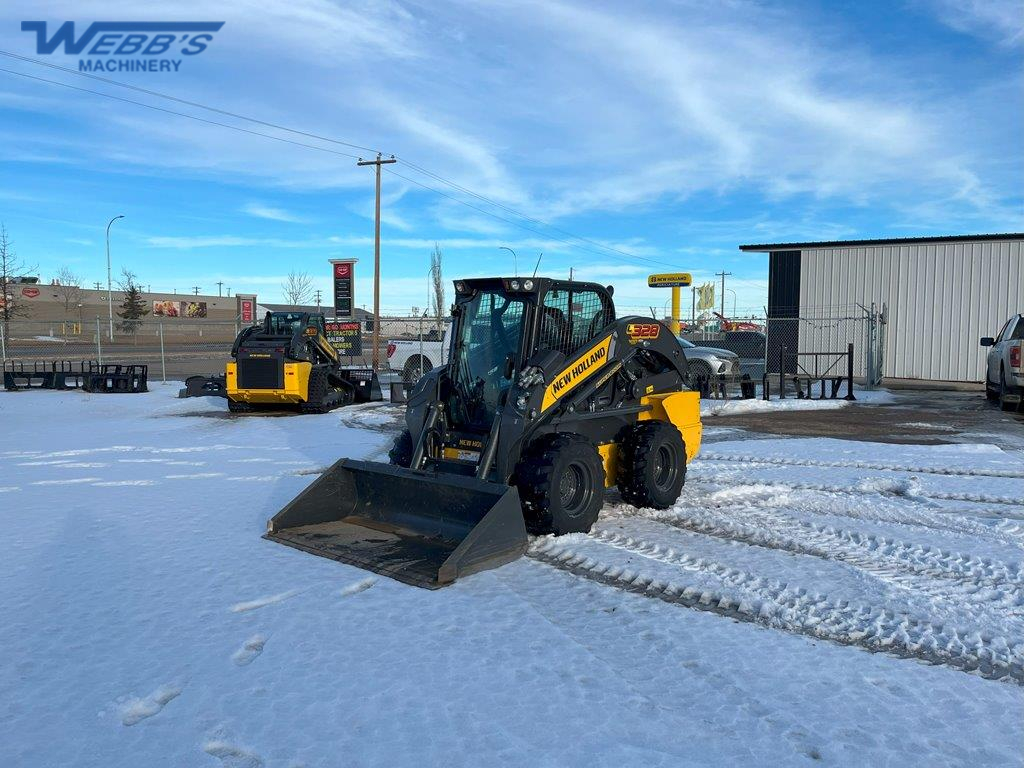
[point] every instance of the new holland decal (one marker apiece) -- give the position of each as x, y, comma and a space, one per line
578, 370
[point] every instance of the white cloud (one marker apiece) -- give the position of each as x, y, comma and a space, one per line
1002, 20
261, 211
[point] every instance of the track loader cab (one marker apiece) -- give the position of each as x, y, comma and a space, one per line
288, 361
546, 400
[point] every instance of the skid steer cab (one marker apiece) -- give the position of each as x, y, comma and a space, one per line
288, 362
546, 400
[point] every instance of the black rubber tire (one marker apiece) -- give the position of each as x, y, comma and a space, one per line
316, 393
1003, 392
652, 465
411, 372
236, 407
561, 485
401, 452
991, 392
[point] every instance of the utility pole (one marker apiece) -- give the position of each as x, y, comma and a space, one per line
229, 291
110, 299
318, 292
378, 162
98, 284
219, 284
723, 275
195, 289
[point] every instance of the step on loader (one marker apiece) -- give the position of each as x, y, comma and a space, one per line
546, 401
288, 361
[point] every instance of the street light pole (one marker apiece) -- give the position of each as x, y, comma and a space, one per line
110, 289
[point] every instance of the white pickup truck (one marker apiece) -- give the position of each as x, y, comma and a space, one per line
1004, 367
413, 357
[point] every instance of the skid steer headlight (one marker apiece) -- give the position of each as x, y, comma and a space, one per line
460, 287
514, 285
528, 285
522, 401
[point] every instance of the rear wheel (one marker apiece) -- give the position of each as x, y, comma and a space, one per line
1004, 391
652, 465
401, 452
561, 484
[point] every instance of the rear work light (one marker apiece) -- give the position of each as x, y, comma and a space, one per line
1015, 357
391, 349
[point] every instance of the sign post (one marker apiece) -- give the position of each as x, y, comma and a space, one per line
343, 272
675, 281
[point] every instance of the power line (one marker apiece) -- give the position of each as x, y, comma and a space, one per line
158, 94
417, 168
179, 114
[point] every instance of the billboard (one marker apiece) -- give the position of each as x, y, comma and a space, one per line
191, 310
345, 336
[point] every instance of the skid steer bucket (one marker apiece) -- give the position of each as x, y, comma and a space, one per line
419, 527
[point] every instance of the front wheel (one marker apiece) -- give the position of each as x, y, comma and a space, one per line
561, 484
652, 465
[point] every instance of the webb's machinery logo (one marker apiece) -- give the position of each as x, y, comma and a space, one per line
127, 46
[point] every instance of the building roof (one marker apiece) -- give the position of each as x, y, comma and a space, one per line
882, 241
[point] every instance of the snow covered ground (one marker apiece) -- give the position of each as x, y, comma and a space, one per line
808, 600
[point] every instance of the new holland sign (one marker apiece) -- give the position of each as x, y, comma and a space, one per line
669, 280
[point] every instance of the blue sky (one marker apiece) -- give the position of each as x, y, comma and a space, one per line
666, 134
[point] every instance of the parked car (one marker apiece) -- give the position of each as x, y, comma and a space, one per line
1004, 369
709, 361
413, 358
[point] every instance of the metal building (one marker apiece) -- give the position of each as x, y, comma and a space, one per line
914, 308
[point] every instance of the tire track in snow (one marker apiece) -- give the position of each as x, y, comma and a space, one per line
746, 597
958, 520
867, 487
878, 554
740, 458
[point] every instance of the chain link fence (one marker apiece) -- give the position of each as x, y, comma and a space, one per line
409, 346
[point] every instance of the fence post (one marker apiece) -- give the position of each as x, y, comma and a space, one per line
99, 344
163, 361
3, 342
421, 346
849, 372
782, 372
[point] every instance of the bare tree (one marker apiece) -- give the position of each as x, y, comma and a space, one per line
437, 298
298, 288
69, 289
12, 270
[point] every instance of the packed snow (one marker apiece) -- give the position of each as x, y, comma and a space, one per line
806, 600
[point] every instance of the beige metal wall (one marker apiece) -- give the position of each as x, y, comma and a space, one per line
941, 297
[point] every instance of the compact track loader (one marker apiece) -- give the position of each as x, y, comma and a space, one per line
289, 361
546, 400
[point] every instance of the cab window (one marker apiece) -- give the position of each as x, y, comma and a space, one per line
570, 319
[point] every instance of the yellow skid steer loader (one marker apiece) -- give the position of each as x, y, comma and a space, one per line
547, 399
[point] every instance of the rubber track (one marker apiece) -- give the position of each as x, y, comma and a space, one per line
794, 610
747, 459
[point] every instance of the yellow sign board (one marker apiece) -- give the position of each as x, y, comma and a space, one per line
669, 280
